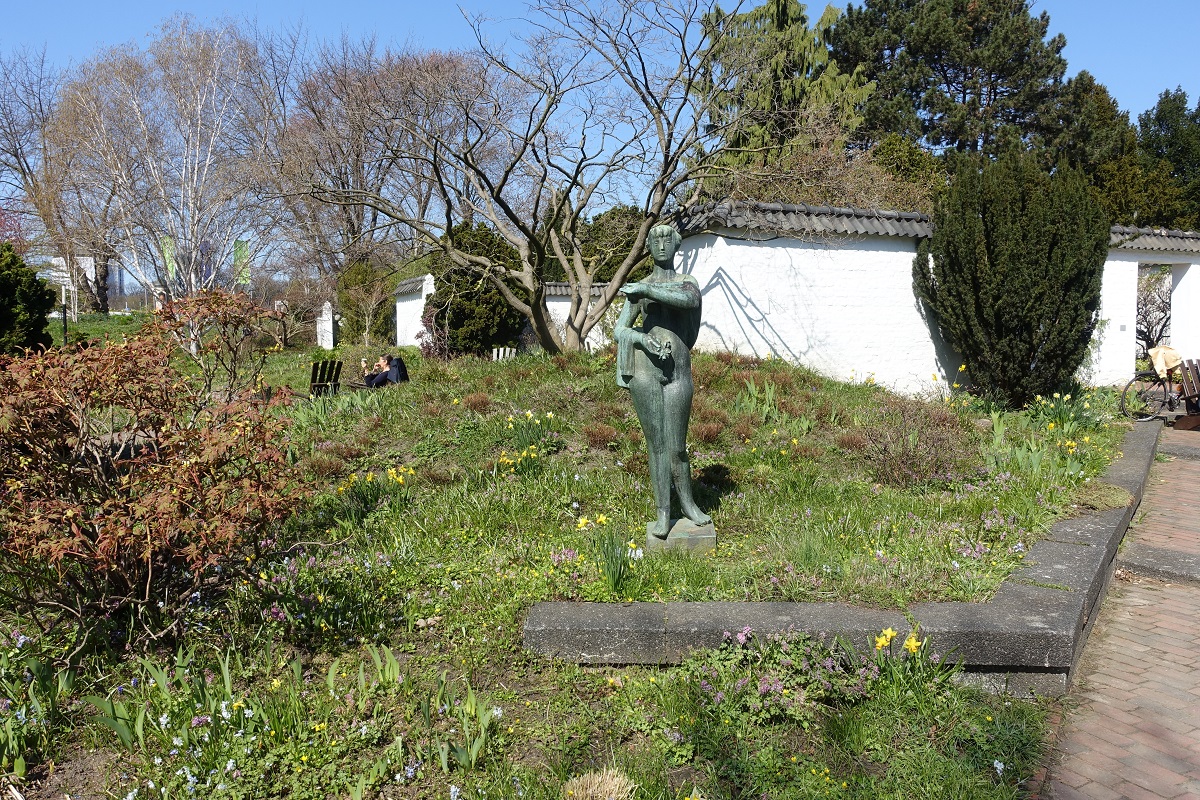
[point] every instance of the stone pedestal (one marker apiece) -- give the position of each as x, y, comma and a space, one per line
684, 535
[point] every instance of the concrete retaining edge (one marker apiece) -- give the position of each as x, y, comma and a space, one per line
1027, 638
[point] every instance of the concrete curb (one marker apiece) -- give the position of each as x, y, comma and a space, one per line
1161, 563
1028, 638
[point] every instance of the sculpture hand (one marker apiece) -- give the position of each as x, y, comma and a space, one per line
655, 347
634, 291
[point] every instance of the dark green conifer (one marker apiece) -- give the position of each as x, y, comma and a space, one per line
1012, 274
25, 304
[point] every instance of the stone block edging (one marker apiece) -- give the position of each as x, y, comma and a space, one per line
1028, 637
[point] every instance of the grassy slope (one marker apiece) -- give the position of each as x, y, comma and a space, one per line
441, 568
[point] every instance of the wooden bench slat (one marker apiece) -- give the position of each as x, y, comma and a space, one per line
1190, 373
325, 377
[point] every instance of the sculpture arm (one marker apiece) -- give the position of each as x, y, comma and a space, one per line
678, 294
626, 338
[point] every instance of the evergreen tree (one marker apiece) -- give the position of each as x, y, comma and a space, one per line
366, 299
783, 75
1012, 274
1086, 127
962, 74
1171, 132
25, 304
467, 315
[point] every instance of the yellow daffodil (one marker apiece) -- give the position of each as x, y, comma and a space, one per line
583, 523
962, 367
911, 644
601, 519
884, 638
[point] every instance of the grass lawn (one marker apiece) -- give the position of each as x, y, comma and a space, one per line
376, 650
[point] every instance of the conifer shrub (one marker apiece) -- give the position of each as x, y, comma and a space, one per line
466, 314
1011, 276
25, 304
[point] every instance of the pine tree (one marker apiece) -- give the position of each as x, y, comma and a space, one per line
1012, 274
25, 304
962, 74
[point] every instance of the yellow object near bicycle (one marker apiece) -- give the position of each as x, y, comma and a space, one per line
1164, 359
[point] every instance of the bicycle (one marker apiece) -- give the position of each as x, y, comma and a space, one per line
1147, 394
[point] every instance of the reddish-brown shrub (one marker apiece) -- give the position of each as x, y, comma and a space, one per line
913, 442
478, 401
744, 428
223, 334
851, 441
599, 435
126, 488
704, 410
706, 432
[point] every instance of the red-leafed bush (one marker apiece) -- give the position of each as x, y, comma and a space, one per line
126, 489
223, 335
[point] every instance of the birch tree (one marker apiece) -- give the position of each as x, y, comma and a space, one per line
173, 136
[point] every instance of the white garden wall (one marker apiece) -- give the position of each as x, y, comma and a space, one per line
844, 306
1115, 339
410, 306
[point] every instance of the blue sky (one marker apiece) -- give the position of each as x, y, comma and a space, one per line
1137, 49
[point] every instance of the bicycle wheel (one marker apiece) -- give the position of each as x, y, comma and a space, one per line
1144, 397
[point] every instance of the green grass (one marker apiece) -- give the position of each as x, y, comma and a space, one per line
372, 652
98, 327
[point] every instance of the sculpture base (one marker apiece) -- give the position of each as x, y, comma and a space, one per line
684, 535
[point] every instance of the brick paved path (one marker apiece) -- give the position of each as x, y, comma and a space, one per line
1135, 731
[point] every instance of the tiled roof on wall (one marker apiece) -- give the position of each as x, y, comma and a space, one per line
1154, 239
563, 289
786, 220
779, 218
410, 286
553, 288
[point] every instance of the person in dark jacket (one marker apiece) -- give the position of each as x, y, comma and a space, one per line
388, 370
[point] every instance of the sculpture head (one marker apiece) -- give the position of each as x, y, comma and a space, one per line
663, 241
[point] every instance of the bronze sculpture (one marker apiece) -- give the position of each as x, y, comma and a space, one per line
654, 362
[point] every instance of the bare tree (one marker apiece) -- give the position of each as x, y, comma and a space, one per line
38, 150
326, 131
172, 137
605, 103
1153, 307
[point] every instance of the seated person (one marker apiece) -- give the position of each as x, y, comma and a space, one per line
388, 370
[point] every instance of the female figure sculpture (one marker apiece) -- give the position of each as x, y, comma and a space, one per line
654, 362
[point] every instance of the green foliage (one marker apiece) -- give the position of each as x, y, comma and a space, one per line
958, 74
196, 729
33, 701
908, 162
782, 73
463, 744
761, 404
616, 557
467, 314
1171, 132
25, 303
785, 716
366, 301
1012, 274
